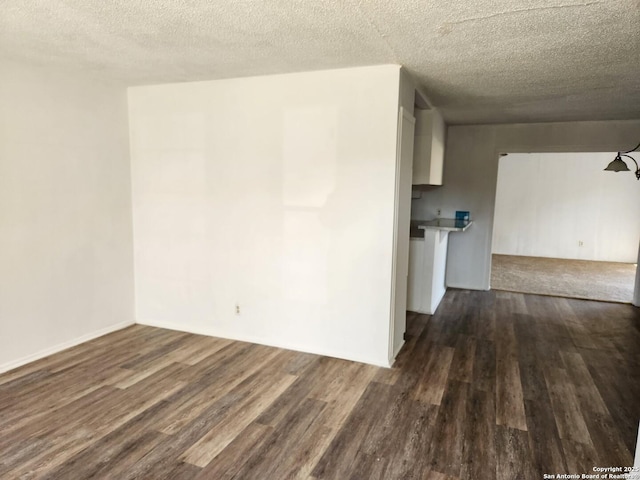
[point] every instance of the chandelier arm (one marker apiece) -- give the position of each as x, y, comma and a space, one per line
632, 150
634, 161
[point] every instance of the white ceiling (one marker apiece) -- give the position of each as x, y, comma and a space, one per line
480, 61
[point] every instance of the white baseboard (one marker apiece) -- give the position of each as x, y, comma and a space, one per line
261, 341
5, 367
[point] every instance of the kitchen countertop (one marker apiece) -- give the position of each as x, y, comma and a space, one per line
447, 224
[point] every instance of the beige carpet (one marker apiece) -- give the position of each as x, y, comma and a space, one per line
606, 281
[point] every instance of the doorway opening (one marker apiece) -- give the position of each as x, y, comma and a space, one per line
565, 227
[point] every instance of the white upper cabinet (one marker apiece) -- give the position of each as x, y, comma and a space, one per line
428, 151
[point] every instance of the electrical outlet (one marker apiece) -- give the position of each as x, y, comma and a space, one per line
580, 243
439, 212
237, 309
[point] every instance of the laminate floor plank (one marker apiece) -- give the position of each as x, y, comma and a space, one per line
60, 450
390, 428
342, 398
484, 366
264, 392
285, 451
368, 466
343, 450
445, 449
581, 458
514, 459
478, 454
566, 408
509, 397
319, 375
485, 318
196, 396
228, 463
544, 439
495, 385
234, 357
20, 452
95, 421
619, 391
78, 410
434, 378
170, 452
179, 471
143, 361
463, 358
53, 399
432, 475
411, 460
584, 386
109, 456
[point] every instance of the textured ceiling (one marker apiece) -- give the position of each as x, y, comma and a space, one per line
480, 61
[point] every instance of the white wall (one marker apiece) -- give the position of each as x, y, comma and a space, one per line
547, 203
65, 212
272, 193
470, 174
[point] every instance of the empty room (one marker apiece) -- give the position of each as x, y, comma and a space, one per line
254, 240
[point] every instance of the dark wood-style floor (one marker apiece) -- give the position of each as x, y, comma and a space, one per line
496, 385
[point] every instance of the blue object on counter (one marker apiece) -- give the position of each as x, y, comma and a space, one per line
462, 218
462, 215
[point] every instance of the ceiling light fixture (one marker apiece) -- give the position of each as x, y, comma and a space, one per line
619, 165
